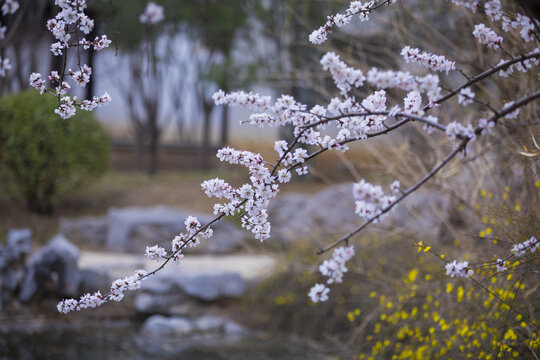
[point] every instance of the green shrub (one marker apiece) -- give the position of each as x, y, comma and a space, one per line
43, 156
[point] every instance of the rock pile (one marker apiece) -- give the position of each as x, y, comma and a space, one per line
51, 271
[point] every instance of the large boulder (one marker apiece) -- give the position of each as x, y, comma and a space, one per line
332, 211
162, 327
12, 262
327, 212
89, 230
286, 215
132, 229
168, 304
188, 294
212, 287
19, 243
93, 279
52, 269
209, 287
157, 326
421, 214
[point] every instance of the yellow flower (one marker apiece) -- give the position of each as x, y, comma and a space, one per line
460, 294
510, 335
413, 274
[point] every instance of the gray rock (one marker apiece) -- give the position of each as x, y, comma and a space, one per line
132, 229
93, 280
12, 263
19, 242
332, 211
161, 284
168, 304
158, 326
3, 258
209, 323
327, 212
85, 230
286, 215
206, 287
212, 287
163, 328
233, 329
421, 213
54, 267
11, 278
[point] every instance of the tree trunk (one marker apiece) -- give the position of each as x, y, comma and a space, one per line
139, 138
224, 126
153, 152
205, 143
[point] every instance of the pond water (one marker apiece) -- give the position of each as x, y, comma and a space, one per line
119, 340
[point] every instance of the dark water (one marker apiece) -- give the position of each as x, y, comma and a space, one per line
120, 341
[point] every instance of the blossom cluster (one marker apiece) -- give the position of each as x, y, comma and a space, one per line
456, 129
471, 4
333, 269
403, 80
512, 114
96, 299
431, 61
362, 9
343, 75
371, 200
466, 96
318, 292
518, 250
253, 197
521, 248
523, 66
192, 237
458, 269
10, 7
155, 252
356, 118
487, 36
132, 282
493, 9
153, 13
70, 20
500, 265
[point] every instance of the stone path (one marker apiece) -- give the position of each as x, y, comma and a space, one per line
248, 266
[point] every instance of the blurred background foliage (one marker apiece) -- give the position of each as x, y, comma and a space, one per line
43, 157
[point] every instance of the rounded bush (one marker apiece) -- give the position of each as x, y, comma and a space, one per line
43, 156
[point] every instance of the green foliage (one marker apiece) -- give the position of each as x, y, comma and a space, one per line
213, 22
42, 155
